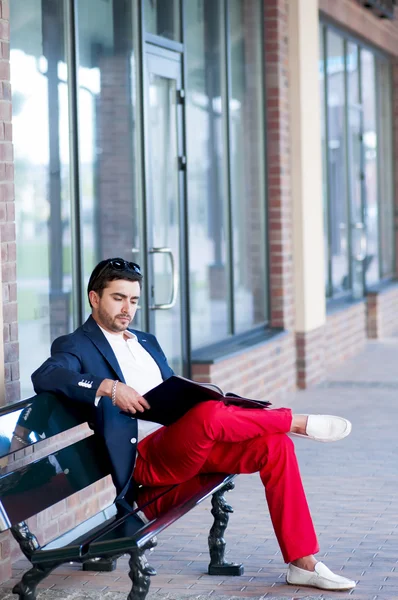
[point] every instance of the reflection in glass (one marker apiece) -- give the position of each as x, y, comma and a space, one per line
338, 209
109, 209
39, 80
354, 133
162, 17
164, 209
246, 146
205, 173
370, 164
355, 162
386, 185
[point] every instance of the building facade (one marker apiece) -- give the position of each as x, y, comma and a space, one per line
242, 151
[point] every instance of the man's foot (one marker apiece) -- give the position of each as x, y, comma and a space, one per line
321, 428
322, 578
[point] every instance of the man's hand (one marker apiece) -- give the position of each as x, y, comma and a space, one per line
127, 399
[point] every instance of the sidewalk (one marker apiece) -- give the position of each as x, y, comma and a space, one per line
352, 488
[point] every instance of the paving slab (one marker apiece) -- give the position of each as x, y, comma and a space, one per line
352, 490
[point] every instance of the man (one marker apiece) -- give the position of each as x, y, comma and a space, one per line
108, 368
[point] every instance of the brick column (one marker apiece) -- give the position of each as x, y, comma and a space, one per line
276, 33
7, 216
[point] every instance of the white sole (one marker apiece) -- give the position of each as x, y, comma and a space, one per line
338, 589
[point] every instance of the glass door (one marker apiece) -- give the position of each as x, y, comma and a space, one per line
165, 166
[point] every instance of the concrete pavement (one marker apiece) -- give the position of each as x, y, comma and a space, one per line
352, 488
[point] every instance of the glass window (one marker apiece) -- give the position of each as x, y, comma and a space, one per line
162, 17
338, 205
206, 184
226, 168
370, 143
109, 209
39, 80
357, 165
246, 143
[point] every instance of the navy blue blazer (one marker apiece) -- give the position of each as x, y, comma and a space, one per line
78, 364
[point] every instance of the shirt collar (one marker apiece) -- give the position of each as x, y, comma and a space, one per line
116, 337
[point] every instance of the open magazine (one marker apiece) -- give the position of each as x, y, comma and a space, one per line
171, 399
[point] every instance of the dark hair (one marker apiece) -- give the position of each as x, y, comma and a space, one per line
110, 270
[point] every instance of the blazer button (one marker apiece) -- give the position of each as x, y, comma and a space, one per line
133, 440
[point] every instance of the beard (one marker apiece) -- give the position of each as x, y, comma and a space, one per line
112, 323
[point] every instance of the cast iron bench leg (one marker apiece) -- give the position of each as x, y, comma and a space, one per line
220, 511
140, 571
26, 588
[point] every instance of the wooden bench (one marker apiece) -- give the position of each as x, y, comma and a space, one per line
46, 475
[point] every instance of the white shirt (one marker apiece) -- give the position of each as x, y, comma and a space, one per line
139, 370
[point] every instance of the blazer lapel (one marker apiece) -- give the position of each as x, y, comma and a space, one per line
95, 334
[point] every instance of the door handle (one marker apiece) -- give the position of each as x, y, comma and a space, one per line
174, 277
361, 255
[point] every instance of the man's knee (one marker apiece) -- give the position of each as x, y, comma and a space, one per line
206, 410
208, 414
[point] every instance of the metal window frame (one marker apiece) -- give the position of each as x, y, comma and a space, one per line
72, 53
227, 160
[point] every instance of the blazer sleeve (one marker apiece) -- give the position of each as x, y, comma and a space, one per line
63, 374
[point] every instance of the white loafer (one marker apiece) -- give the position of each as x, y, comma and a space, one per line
322, 578
326, 428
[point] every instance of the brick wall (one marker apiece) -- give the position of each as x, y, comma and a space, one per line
382, 314
310, 357
7, 215
345, 334
265, 371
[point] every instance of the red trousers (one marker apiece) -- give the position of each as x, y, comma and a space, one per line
214, 438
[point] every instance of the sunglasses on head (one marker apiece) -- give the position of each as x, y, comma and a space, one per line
119, 264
